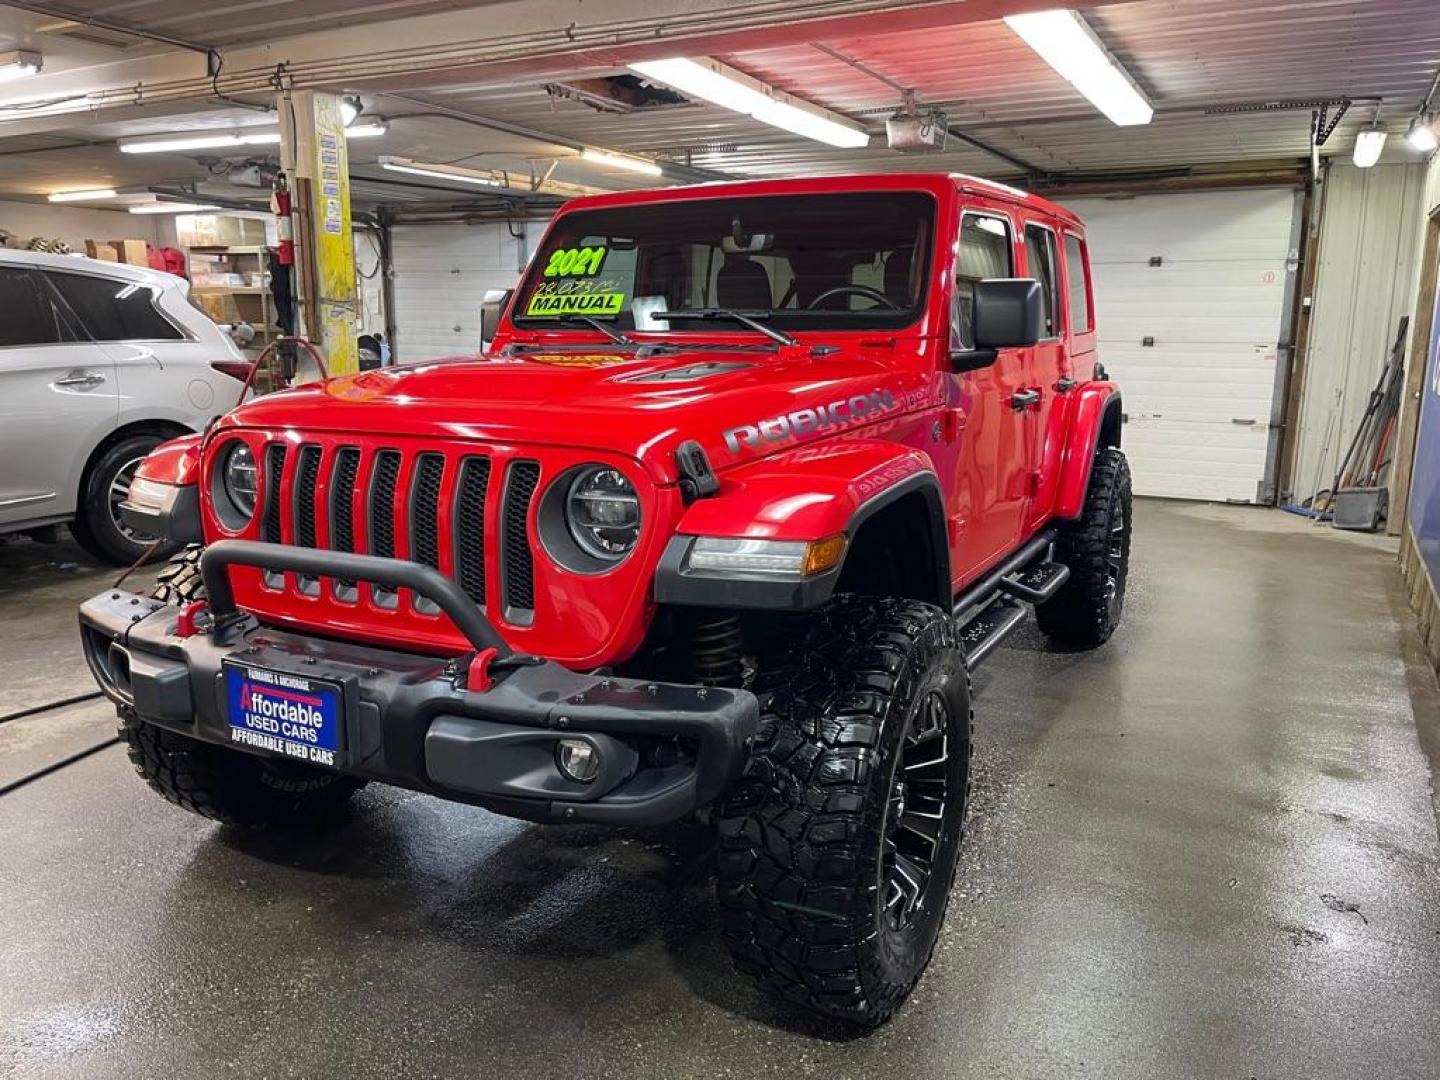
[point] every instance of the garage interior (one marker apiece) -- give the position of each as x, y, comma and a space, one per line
1207, 849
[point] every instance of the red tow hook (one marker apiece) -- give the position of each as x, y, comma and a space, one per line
188, 622
477, 675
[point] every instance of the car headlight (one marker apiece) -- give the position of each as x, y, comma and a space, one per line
238, 477
602, 512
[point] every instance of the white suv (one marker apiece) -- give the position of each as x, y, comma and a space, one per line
99, 363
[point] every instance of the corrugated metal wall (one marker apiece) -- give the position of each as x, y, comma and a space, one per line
442, 272
1364, 284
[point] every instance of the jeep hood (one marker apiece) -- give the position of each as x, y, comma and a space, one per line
643, 407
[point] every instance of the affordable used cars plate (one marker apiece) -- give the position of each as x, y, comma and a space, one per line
283, 713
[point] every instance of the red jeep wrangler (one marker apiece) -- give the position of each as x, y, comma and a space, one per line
751, 477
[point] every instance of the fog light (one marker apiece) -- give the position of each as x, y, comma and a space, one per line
578, 759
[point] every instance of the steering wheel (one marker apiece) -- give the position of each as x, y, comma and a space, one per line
860, 290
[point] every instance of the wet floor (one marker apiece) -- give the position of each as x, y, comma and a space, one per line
1206, 850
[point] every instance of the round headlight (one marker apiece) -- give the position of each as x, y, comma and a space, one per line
603, 513
238, 476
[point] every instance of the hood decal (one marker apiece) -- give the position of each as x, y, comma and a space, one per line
840, 413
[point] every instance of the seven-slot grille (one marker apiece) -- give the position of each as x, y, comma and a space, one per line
379, 501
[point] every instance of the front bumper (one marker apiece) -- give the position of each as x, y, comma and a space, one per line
411, 720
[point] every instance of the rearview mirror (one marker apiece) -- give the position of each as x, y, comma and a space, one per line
1009, 313
492, 307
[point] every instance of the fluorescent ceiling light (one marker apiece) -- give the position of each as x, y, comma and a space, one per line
1065, 41
456, 173
1421, 135
162, 144
367, 130
82, 196
172, 208
721, 85
17, 65
215, 140
1368, 146
350, 108
621, 161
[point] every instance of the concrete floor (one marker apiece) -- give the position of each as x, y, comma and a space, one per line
1206, 850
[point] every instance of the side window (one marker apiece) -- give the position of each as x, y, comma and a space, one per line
29, 316
985, 252
1040, 254
1078, 285
114, 310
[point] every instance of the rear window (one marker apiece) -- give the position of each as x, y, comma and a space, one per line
856, 261
1077, 285
113, 310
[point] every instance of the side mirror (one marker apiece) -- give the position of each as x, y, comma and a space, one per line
1006, 313
492, 307
1009, 313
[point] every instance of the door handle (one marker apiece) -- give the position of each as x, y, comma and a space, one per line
1024, 399
1065, 385
81, 380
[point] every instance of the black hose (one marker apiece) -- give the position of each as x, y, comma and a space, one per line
37, 709
38, 774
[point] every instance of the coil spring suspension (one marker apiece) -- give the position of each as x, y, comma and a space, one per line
715, 651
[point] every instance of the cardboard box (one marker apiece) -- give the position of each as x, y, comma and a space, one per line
133, 252
101, 249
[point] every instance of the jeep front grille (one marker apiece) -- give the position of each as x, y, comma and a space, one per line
516, 562
430, 506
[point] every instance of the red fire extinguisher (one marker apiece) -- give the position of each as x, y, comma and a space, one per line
284, 225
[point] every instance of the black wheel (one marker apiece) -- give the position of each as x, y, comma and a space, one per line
839, 844
1096, 548
222, 784
97, 525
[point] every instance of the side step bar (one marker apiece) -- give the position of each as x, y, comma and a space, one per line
983, 634
990, 610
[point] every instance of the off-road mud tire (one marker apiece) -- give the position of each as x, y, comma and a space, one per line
1087, 609
802, 853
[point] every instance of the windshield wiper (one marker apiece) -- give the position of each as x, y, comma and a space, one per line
595, 324
749, 319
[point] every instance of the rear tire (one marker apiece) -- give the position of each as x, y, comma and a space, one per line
218, 783
1096, 548
97, 526
838, 846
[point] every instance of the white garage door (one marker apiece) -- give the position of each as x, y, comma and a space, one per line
1190, 291
442, 272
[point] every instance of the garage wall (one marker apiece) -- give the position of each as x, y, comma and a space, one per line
1365, 282
442, 272
1190, 296
72, 224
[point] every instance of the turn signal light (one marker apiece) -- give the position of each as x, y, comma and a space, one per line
821, 555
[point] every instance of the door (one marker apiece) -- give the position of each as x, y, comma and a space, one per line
442, 273
153, 359
58, 399
1048, 370
1190, 295
990, 457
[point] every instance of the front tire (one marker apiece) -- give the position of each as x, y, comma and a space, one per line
213, 781
839, 844
97, 525
1096, 548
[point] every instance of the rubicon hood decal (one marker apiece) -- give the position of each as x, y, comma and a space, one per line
840, 413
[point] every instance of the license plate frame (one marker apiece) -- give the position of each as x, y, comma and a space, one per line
296, 717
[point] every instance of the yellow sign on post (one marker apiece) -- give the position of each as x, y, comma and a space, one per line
326, 243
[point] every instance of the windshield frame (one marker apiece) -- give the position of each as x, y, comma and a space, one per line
931, 214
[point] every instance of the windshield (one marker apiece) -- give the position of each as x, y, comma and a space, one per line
815, 262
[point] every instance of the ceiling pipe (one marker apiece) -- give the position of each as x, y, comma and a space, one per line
672, 169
